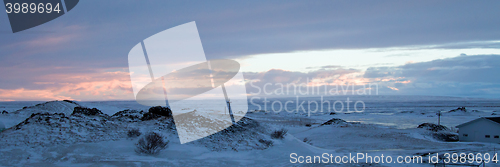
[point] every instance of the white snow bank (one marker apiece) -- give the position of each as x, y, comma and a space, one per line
65, 107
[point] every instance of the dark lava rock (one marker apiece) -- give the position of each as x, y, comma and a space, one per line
156, 112
432, 127
333, 121
128, 115
86, 111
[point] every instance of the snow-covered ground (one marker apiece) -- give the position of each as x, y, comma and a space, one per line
388, 127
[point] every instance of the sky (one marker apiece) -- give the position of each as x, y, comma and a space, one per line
438, 48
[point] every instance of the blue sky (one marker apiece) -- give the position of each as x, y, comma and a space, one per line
442, 48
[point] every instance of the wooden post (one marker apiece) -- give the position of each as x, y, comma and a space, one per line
439, 117
230, 111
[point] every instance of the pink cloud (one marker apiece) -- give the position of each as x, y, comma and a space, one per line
393, 88
26, 94
86, 86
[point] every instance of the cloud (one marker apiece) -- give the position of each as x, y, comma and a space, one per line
476, 76
283, 76
464, 69
275, 78
25, 94
95, 85
470, 76
464, 75
82, 43
325, 67
393, 88
90, 91
254, 27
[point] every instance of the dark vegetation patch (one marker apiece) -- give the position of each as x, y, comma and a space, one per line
268, 143
134, 132
157, 112
86, 111
151, 144
128, 115
279, 134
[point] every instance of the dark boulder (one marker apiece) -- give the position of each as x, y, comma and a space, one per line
433, 127
86, 111
157, 112
334, 121
128, 115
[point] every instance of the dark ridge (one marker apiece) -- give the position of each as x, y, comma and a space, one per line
459, 109
333, 121
69, 101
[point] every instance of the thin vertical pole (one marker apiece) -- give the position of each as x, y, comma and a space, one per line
439, 118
